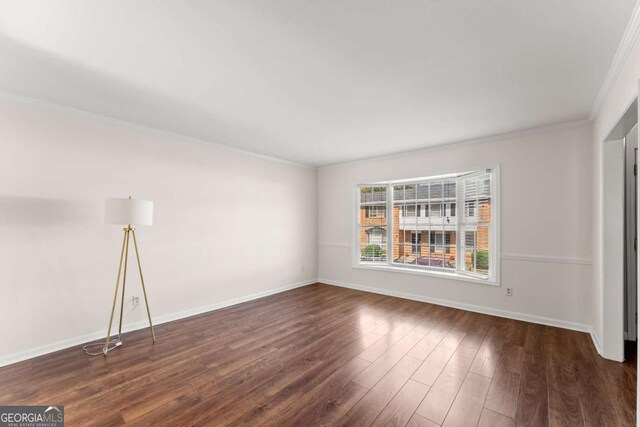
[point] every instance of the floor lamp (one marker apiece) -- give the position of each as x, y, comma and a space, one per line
126, 212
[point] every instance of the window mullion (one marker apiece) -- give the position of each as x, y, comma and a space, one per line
390, 223
460, 232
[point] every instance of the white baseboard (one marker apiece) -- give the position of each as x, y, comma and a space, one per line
468, 307
76, 341
596, 341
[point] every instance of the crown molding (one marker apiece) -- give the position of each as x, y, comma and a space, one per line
38, 103
462, 143
622, 53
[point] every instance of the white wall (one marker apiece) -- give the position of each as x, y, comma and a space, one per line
227, 224
546, 212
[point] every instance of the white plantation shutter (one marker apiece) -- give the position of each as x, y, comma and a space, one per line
475, 224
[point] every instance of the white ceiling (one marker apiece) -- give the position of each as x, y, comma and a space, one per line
316, 81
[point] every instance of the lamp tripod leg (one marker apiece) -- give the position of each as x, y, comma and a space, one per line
144, 290
124, 277
115, 297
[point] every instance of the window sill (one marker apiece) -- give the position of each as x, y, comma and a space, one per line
429, 273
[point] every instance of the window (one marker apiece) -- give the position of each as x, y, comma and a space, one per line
409, 211
416, 226
435, 209
416, 240
436, 241
377, 236
470, 207
377, 211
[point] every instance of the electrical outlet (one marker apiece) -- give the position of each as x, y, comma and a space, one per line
135, 301
509, 292
302, 269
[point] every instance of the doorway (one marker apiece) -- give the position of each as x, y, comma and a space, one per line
619, 270
630, 143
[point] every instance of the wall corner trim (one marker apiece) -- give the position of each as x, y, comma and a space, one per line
99, 335
622, 53
596, 341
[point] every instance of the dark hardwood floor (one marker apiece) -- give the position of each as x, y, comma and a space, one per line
322, 355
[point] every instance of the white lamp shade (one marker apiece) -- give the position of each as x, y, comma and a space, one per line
128, 212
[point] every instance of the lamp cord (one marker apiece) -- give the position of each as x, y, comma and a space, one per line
116, 343
111, 344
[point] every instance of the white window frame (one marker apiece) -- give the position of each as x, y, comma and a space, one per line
388, 265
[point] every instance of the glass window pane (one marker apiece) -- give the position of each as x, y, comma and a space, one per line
482, 250
470, 209
373, 243
398, 193
399, 225
398, 253
469, 259
470, 239
434, 260
365, 195
403, 254
376, 211
376, 236
439, 238
450, 257
449, 190
484, 210
416, 238
435, 210
422, 192
410, 193
436, 190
